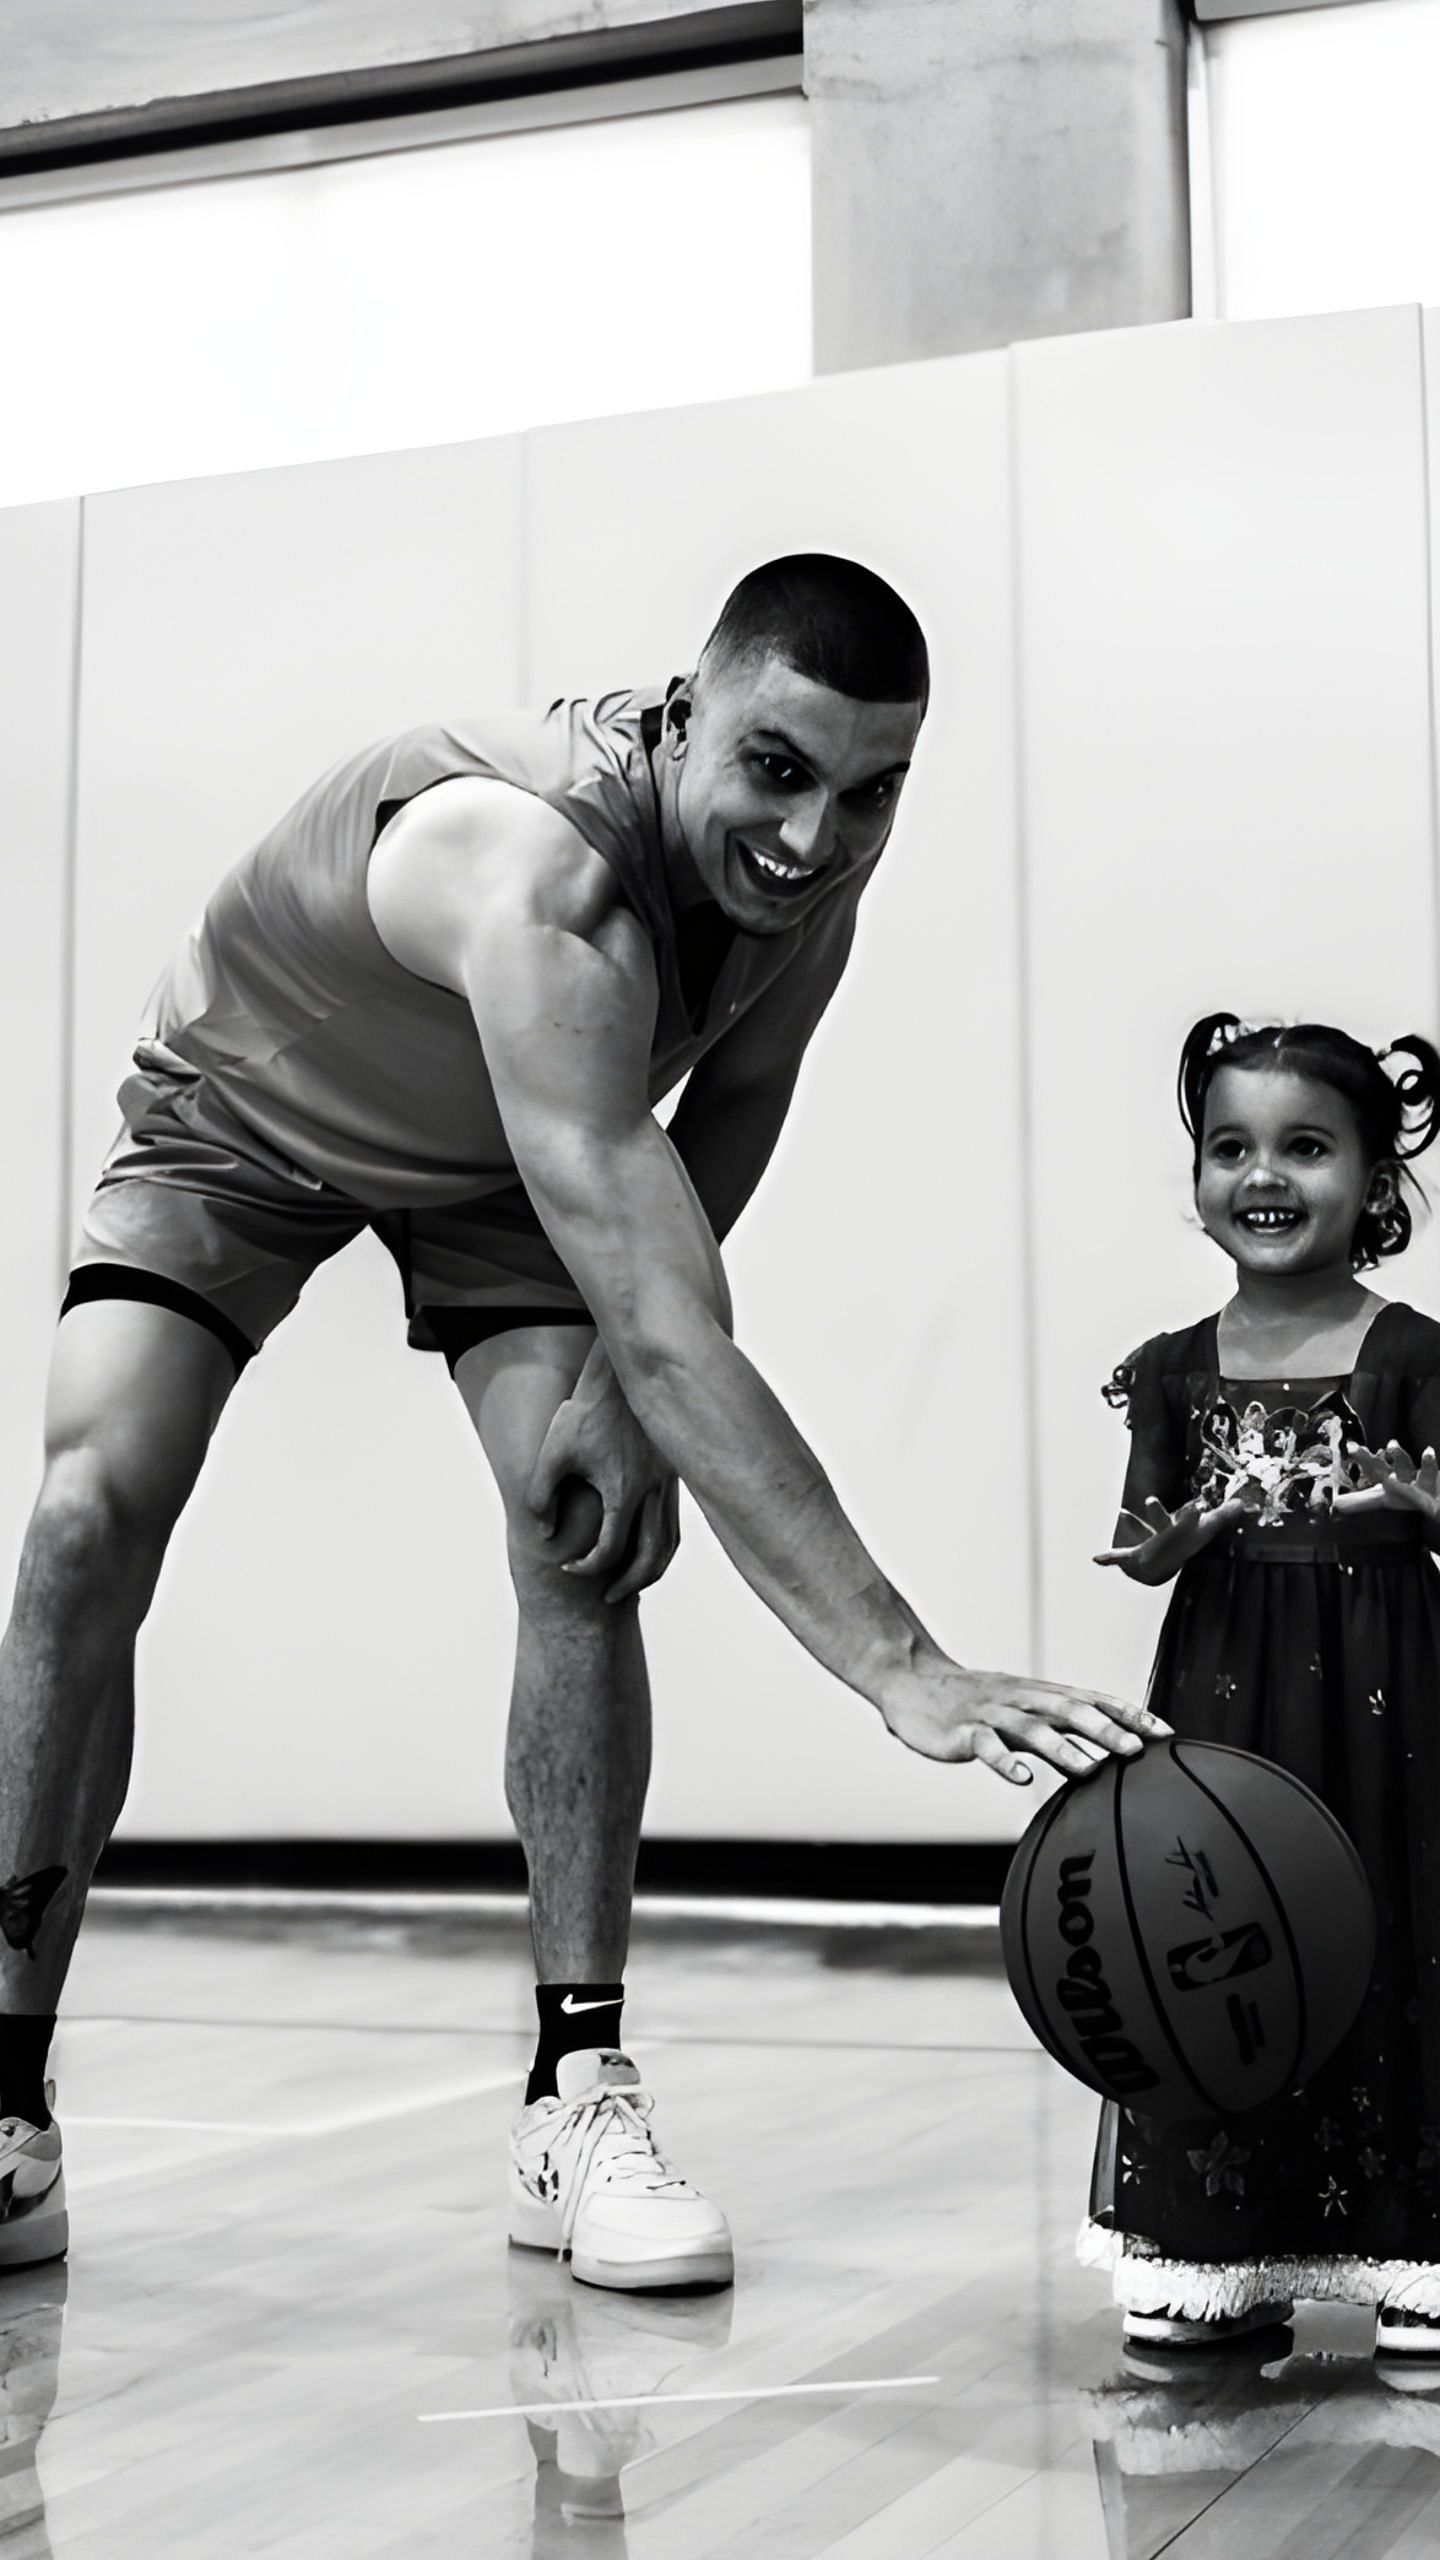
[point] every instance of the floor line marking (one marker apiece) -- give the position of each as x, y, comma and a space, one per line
681, 2399
656, 2040
168, 2124
796, 1911
524, 2036
411, 2104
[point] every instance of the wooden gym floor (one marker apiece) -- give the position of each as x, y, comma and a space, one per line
290, 2328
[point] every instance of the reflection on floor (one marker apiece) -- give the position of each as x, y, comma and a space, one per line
291, 2327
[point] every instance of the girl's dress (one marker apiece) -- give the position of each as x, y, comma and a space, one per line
1313, 1639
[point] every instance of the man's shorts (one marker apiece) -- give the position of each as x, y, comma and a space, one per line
196, 1212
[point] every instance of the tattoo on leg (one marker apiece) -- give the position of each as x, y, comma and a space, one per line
23, 1900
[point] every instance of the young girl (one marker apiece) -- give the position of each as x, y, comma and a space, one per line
1283, 1473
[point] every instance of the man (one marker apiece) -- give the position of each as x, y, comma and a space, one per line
441, 1000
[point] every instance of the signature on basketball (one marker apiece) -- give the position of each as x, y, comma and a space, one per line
1204, 1891
1202, 1962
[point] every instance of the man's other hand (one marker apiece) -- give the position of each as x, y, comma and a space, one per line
595, 1436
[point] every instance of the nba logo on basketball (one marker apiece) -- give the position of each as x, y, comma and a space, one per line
1218, 1958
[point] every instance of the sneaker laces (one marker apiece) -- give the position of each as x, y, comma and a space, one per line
620, 2117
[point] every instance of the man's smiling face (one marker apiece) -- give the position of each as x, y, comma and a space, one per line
783, 789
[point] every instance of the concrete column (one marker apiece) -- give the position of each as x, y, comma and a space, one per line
987, 170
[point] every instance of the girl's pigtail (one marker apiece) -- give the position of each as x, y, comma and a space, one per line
1214, 1031
1417, 1091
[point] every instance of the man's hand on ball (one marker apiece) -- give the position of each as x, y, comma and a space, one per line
947, 1713
1155, 1543
1388, 1479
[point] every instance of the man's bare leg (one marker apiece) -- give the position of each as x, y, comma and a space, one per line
577, 1759
134, 1394
586, 2177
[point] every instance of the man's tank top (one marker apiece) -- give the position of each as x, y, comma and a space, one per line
285, 1004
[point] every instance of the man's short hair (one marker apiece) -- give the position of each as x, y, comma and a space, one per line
830, 620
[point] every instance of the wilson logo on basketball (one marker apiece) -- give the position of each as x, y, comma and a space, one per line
1084, 1993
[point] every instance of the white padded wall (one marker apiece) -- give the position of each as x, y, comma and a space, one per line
1224, 744
1227, 803
875, 1273
39, 553
338, 1580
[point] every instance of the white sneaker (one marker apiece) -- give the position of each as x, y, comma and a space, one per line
1163, 2329
587, 2182
34, 2224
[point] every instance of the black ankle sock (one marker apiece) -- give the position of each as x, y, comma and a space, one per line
24, 2049
575, 2017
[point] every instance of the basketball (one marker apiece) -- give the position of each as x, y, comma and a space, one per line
1189, 1932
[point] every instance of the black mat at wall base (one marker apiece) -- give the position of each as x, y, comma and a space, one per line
941, 1872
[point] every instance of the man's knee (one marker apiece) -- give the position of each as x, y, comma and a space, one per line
97, 1525
537, 1559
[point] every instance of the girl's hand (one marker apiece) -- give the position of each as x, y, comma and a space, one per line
1156, 1542
1391, 1481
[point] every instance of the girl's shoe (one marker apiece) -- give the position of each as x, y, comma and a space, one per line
1407, 2333
1164, 2329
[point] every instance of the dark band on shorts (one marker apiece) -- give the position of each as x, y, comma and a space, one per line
117, 1280
456, 1330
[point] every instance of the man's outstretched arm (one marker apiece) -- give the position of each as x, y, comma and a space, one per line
566, 1027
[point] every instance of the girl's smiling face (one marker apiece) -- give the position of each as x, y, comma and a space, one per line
1283, 1177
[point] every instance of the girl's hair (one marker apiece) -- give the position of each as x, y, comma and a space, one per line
1396, 1116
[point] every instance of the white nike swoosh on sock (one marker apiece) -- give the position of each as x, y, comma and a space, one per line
572, 2007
